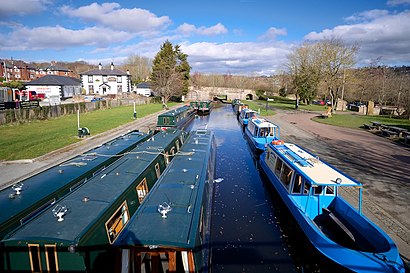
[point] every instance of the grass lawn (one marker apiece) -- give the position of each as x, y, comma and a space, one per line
283, 104
357, 121
36, 138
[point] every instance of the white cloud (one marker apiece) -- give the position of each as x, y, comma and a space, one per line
22, 7
110, 15
367, 15
386, 36
271, 33
398, 2
237, 58
59, 38
188, 29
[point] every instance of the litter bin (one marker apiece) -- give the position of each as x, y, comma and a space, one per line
83, 132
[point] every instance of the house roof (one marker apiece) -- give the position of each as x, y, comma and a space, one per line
54, 67
105, 71
145, 85
55, 80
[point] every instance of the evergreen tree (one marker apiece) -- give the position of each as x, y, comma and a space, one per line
170, 72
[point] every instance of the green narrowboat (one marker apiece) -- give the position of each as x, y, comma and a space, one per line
202, 107
77, 233
170, 232
23, 200
176, 119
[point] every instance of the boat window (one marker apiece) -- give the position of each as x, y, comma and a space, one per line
157, 170
297, 184
330, 190
278, 167
306, 188
116, 223
177, 145
172, 152
142, 188
164, 261
286, 176
166, 158
51, 258
318, 190
34, 253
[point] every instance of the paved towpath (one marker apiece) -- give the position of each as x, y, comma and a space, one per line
381, 165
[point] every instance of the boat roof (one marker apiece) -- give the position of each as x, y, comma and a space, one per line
181, 186
42, 185
260, 122
248, 110
176, 111
88, 203
318, 172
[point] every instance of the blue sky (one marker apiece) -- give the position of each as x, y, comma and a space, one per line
249, 37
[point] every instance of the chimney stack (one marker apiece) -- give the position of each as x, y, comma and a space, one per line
99, 66
112, 66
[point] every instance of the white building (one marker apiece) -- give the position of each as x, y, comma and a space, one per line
143, 89
106, 82
60, 87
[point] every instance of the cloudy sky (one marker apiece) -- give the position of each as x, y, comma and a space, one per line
246, 37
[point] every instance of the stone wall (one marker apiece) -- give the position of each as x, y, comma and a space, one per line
205, 93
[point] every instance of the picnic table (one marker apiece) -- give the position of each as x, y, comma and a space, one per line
400, 131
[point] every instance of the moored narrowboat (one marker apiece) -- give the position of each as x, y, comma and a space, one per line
202, 107
24, 199
339, 232
260, 132
170, 232
77, 233
245, 115
238, 108
175, 119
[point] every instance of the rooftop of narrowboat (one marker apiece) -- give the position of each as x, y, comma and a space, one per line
55, 179
260, 122
176, 111
88, 202
318, 172
177, 194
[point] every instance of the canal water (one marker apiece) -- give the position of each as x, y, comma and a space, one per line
246, 233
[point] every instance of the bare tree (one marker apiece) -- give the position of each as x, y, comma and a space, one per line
336, 58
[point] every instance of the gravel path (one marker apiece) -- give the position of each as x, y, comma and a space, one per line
381, 165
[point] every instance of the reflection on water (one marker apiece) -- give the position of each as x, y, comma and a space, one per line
245, 234
252, 230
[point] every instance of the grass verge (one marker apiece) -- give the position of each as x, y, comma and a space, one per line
36, 138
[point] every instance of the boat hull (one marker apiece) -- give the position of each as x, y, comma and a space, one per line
345, 258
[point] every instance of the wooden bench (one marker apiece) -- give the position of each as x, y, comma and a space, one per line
389, 133
369, 126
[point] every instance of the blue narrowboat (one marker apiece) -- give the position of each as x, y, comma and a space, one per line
245, 115
260, 133
77, 233
339, 232
175, 119
170, 232
23, 200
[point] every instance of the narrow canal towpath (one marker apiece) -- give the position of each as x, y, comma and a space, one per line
382, 166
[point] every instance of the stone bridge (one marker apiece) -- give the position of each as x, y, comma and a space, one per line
206, 93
